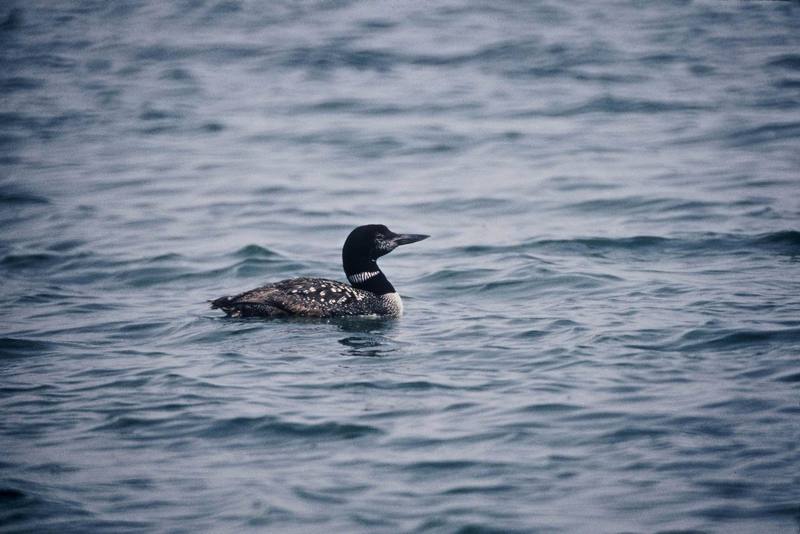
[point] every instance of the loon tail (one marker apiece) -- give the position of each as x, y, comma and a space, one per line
220, 302
234, 308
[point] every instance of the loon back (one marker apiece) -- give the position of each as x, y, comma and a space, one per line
370, 293
309, 297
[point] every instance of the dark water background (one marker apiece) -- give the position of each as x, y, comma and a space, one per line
602, 335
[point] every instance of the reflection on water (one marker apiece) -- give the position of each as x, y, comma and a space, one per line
371, 336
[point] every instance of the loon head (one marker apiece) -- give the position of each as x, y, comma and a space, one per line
367, 243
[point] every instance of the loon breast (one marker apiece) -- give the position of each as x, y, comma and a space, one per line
392, 303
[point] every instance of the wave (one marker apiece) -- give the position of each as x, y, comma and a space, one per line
786, 61
784, 242
274, 427
14, 347
612, 104
702, 339
527, 57
255, 251
33, 507
69, 262
260, 428
15, 197
763, 134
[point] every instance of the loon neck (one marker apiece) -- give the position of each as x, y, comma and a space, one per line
369, 277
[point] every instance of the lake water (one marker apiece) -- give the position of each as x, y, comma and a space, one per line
601, 335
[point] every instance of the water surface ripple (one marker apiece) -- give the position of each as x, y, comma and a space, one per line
602, 335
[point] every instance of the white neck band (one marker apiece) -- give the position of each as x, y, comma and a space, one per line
360, 278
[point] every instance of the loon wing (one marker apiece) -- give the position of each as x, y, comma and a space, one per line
306, 297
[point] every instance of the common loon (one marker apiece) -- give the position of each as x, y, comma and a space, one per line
370, 292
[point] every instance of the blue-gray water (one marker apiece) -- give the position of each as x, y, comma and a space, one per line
602, 335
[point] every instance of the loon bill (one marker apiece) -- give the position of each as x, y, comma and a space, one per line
370, 293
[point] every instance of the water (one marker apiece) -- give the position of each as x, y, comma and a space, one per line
602, 334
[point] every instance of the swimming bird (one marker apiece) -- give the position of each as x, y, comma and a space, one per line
370, 292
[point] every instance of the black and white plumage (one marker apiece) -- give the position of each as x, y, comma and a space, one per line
370, 292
